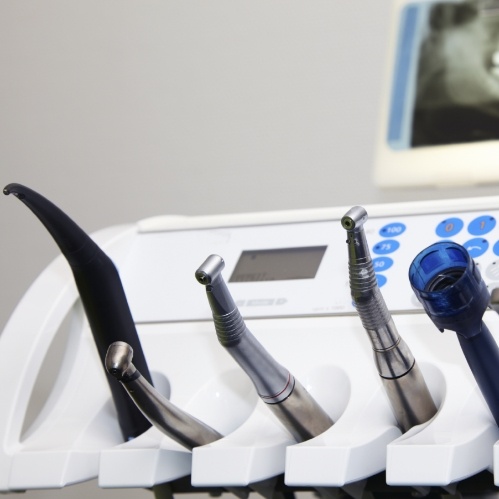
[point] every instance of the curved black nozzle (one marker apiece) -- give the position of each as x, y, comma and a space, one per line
449, 286
101, 293
73, 242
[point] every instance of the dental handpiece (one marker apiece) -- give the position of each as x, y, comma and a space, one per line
448, 284
402, 379
167, 417
295, 408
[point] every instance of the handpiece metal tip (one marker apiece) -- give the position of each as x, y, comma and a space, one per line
354, 218
210, 269
118, 358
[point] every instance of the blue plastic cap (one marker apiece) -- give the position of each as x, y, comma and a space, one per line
449, 286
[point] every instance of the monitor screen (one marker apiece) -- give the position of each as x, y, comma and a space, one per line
442, 95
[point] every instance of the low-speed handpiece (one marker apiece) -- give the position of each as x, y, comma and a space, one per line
449, 285
101, 293
167, 417
276, 386
403, 381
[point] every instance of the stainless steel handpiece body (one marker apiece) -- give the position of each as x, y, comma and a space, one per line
403, 381
285, 396
494, 300
167, 417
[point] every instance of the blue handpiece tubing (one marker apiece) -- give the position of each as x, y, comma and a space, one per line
482, 354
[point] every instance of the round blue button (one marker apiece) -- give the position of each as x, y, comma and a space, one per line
481, 225
382, 263
495, 249
449, 227
381, 280
386, 247
476, 247
392, 230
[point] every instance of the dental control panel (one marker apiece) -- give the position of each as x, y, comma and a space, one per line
288, 274
296, 268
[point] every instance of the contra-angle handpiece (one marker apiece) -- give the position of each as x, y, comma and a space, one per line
449, 285
401, 377
101, 293
167, 417
295, 408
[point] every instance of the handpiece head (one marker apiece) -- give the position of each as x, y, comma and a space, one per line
209, 274
354, 218
210, 270
119, 360
448, 284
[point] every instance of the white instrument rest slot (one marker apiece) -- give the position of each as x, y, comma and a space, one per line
257, 450
64, 443
254, 452
215, 391
147, 460
457, 443
354, 448
496, 463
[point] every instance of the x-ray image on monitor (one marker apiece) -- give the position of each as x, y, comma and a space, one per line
444, 91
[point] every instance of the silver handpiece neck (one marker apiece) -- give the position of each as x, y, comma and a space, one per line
276, 386
364, 289
272, 381
168, 418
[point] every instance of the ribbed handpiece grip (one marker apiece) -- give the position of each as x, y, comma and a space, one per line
367, 297
373, 312
229, 327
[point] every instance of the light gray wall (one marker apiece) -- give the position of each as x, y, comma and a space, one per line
117, 110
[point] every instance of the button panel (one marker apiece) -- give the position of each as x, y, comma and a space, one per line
450, 228
394, 242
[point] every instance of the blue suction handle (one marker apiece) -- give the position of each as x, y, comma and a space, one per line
449, 286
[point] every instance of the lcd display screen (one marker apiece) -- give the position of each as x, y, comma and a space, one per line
278, 264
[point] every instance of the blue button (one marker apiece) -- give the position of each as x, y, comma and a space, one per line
476, 247
449, 227
481, 225
495, 249
392, 230
381, 280
386, 247
382, 263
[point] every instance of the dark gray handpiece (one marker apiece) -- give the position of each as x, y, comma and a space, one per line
101, 293
403, 381
284, 395
172, 421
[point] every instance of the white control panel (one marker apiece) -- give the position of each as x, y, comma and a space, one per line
167, 260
